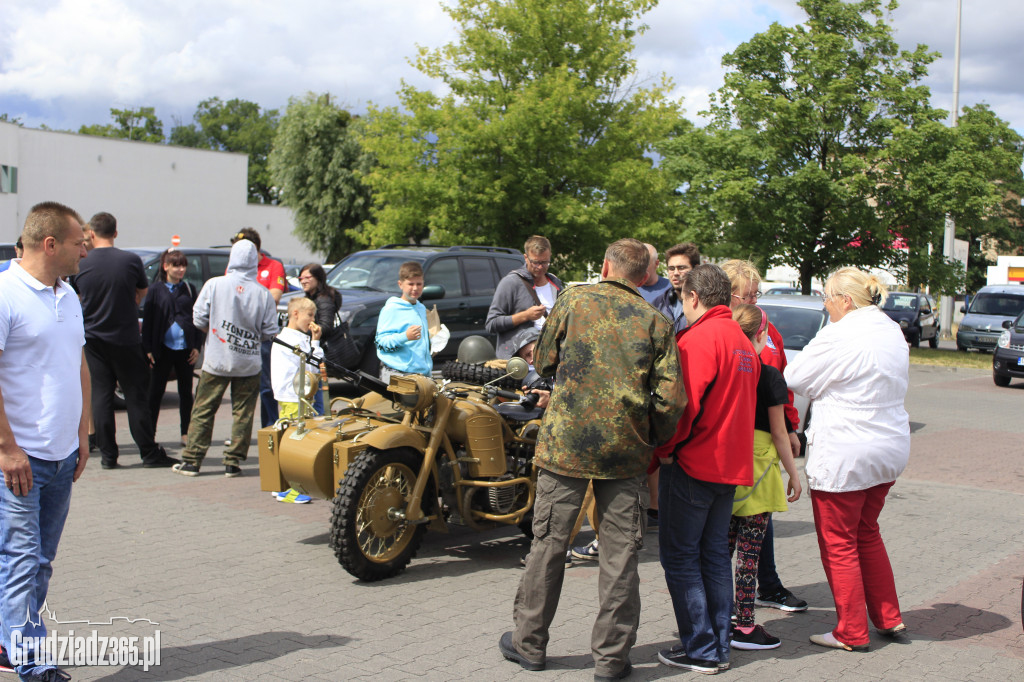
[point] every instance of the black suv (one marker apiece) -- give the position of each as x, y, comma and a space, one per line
459, 280
915, 313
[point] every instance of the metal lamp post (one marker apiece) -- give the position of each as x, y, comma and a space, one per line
949, 234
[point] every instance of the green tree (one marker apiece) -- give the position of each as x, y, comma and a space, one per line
315, 165
136, 123
792, 163
971, 173
235, 126
544, 129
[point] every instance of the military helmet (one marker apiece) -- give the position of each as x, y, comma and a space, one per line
475, 350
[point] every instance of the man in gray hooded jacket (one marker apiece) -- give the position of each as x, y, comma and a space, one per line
237, 313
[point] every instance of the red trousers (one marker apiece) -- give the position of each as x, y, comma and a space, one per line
855, 561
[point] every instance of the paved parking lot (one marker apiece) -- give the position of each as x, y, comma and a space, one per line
245, 588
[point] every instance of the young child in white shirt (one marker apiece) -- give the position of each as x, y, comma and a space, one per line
302, 332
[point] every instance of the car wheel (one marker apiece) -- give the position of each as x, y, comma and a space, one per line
915, 339
1000, 380
934, 341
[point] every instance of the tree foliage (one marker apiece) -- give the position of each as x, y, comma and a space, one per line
235, 126
793, 160
134, 123
315, 165
972, 173
543, 129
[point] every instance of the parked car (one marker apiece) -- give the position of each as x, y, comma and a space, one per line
7, 252
460, 281
798, 318
781, 291
916, 315
989, 309
202, 263
1008, 358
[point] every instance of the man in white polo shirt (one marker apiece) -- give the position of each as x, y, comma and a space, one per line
44, 423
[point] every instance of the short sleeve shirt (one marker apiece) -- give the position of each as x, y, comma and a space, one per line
41, 336
270, 273
771, 391
107, 281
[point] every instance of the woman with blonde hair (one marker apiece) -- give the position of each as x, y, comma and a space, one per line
856, 371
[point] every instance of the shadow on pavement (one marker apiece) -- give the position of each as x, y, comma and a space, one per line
950, 622
188, 662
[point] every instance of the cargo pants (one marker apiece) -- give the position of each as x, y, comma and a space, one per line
621, 506
245, 391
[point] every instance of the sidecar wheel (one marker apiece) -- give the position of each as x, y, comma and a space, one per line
369, 542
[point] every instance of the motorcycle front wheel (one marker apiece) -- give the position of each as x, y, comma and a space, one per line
370, 541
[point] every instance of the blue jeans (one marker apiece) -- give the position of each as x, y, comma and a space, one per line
268, 406
768, 581
694, 545
30, 529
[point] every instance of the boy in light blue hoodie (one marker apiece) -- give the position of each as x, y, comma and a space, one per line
403, 344
238, 313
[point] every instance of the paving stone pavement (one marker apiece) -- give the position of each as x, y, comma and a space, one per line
245, 588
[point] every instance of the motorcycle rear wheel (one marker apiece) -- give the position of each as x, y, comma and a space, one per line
369, 542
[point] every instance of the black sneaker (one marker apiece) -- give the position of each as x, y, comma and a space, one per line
781, 599
161, 461
232, 471
676, 657
756, 640
5, 663
109, 463
185, 469
508, 650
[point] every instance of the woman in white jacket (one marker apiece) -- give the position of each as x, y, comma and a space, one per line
856, 371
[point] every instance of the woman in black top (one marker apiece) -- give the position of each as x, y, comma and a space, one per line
169, 338
313, 280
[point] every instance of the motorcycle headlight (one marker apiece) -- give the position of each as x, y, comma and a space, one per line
1004, 339
904, 324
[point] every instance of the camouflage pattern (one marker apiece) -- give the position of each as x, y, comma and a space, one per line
618, 386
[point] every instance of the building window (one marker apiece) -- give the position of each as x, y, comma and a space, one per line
8, 179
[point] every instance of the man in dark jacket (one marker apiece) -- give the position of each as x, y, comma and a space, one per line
524, 297
111, 283
612, 402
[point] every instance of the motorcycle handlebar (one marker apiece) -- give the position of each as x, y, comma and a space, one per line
507, 395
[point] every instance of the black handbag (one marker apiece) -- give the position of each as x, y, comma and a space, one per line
340, 349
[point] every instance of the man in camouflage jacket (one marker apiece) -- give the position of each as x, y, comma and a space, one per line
618, 393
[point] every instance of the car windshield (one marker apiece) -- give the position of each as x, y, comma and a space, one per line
370, 271
900, 302
797, 325
1007, 305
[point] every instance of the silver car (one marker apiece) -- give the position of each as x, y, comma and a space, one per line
798, 319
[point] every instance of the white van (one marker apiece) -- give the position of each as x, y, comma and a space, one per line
983, 319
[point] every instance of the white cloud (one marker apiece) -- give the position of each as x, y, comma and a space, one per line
66, 62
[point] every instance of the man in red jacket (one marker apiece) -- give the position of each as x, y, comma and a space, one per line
746, 281
710, 454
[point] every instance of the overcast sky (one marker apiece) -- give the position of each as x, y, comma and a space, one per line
64, 63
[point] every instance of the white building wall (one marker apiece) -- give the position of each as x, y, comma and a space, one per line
155, 191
